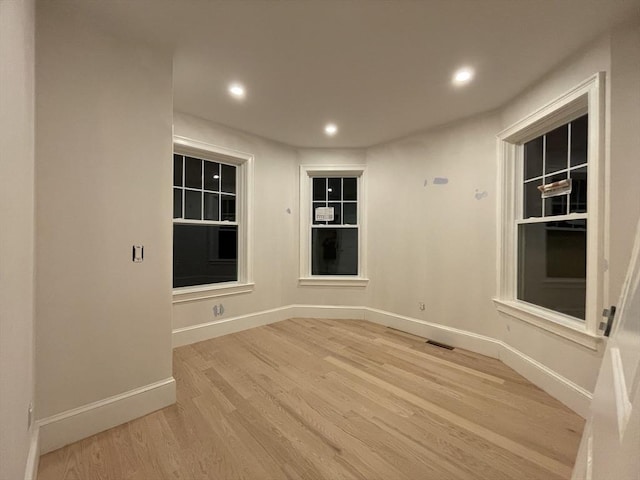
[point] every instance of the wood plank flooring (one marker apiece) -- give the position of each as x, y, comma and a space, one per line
334, 399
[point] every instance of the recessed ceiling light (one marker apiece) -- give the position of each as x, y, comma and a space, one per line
236, 90
330, 129
463, 76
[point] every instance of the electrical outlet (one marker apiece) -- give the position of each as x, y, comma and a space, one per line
421, 305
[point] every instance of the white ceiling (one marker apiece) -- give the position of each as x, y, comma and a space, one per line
378, 69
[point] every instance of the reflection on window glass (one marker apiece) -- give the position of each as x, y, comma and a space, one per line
350, 214
533, 158
319, 189
334, 251
177, 170
557, 149
192, 205
578, 190
177, 203
350, 188
552, 265
193, 172
228, 177
211, 206
532, 199
212, 176
334, 188
228, 208
579, 131
204, 254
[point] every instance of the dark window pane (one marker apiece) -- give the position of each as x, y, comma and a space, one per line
350, 189
579, 136
319, 189
334, 188
552, 265
193, 205
211, 206
334, 251
177, 203
228, 208
337, 213
350, 213
228, 178
313, 212
557, 149
177, 170
212, 176
578, 201
204, 254
193, 172
532, 206
533, 158
555, 205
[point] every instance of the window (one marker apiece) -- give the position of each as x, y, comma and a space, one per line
552, 229
550, 248
210, 217
331, 222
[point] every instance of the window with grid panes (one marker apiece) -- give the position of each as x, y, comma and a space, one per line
334, 243
205, 227
552, 232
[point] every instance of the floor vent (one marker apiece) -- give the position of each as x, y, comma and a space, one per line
441, 345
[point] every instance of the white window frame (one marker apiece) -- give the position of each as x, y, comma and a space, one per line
244, 203
587, 97
307, 173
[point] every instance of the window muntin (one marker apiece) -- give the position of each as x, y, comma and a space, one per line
334, 243
205, 233
203, 189
552, 232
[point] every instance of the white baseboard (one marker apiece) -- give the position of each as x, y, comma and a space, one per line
73, 425
33, 458
561, 388
440, 333
205, 331
334, 312
572, 395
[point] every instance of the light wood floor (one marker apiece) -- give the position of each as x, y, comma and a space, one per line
327, 399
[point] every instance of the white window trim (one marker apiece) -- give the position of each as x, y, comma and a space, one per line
306, 174
244, 219
585, 97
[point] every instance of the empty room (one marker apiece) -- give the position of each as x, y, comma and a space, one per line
320, 239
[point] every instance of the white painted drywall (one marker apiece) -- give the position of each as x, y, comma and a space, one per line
17, 56
624, 172
103, 172
434, 242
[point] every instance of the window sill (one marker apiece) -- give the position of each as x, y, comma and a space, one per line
201, 292
336, 281
557, 323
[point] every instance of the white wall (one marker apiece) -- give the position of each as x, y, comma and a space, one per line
624, 191
103, 173
430, 242
17, 20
